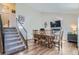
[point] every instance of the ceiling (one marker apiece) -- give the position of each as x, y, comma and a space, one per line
56, 7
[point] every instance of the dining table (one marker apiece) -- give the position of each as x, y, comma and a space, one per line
44, 38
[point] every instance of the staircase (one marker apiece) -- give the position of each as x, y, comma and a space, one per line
13, 41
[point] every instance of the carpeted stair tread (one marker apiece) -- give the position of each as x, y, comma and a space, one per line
15, 49
13, 42
8, 41
14, 38
13, 45
10, 33
11, 36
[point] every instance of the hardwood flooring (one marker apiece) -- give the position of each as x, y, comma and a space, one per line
35, 49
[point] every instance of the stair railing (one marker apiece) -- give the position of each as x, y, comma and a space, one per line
22, 31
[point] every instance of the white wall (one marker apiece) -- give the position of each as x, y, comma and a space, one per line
12, 19
66, 19
35, 20
32, 18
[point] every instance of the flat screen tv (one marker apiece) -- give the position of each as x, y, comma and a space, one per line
52, 24
56, 24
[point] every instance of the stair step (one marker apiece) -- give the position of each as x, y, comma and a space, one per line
10, 32
12, 40
14, 43
11, 36
15, 49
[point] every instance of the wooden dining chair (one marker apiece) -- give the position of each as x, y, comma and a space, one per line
35, 36
42, 40
46, 40
42, 37
49, 41
42, 31
58, 40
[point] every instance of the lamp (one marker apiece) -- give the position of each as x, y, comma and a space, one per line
74, 27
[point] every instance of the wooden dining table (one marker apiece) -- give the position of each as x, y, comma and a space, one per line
45, 38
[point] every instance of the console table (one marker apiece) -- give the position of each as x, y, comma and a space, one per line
72, 37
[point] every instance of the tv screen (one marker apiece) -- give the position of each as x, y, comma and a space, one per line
52, 24
56, 24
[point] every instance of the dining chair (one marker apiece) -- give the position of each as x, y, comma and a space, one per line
58, 40
35, 36
42, 31
49, 41
42, 37
42, 40
46, 40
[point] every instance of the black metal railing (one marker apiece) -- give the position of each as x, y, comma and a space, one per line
22, 31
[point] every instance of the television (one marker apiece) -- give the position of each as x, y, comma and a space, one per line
56, 24
52, 24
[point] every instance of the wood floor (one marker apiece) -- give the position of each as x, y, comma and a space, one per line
34, 49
